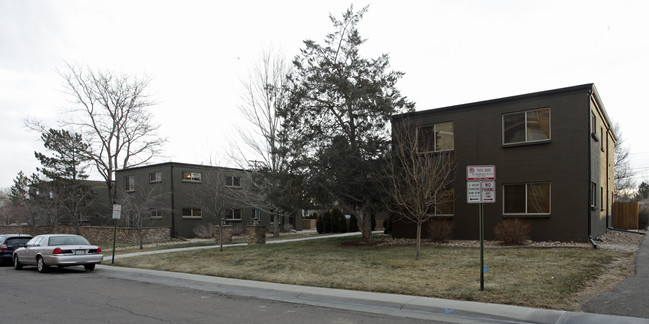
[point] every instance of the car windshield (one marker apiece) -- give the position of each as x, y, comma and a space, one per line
67, 240
17, 241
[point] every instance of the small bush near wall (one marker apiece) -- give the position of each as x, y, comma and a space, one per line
512, 231
387, 225
353, 223
204, 230
319, 225
441, 230
643, 218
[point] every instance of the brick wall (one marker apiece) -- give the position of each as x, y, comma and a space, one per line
96, 234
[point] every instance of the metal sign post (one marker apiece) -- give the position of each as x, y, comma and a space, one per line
481, 188
117, 214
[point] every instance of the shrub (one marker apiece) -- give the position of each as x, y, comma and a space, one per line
512, 231
387, 225
353, 223
643, 218
326, 222
373, 221
204, 230
338, 218
238, 229
440, 230
318, 225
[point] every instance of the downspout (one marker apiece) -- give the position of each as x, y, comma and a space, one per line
590, 167
173, 205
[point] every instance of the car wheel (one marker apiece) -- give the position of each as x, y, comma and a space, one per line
40, 265
89, 267
17, 264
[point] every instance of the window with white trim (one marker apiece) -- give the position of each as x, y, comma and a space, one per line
444, 203
526, 126
232, 181
189, 176
233, 214
155, 176
435, 138
593, 195
192, 213
129, 183
155, 213
526, 198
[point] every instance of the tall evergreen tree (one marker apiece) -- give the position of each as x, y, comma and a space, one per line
338, 116
64, 172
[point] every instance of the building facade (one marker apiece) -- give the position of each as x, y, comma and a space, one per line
553, 153
188, 197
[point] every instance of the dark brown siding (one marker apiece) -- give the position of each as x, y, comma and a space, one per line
563, 161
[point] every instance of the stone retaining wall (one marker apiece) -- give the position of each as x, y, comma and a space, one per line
256, 234
96, 234
227, 234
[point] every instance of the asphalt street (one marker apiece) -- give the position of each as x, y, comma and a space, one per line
72, 295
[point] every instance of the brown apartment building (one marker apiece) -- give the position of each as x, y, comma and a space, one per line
553, 152
185, 196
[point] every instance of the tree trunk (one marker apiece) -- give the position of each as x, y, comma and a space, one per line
418, 244
276, 218
365, 223
139, 234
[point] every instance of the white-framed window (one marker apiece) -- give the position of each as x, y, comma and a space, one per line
526, 126
155, 213
435, 138
444, 203
256, 214
190, 176
155, 176
232, 181
233, 214
593, 125
593, 195
192, 213
129, 183
527, 198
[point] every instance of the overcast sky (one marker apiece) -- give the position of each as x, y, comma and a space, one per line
197, 53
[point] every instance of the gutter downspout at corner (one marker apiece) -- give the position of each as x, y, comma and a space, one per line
590, 167
173, 207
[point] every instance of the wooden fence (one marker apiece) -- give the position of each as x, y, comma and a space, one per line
625, 215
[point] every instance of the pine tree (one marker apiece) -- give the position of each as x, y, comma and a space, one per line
338, 118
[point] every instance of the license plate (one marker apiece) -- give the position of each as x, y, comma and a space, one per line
79, 251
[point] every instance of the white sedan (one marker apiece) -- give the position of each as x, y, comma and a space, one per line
61, 250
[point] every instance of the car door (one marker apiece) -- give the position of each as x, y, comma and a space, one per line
31, 249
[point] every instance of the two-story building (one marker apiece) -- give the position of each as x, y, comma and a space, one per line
553, 152
186, 196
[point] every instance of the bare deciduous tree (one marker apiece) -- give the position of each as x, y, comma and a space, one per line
138, 205
417, 184
114, 118
623, 171
264, 95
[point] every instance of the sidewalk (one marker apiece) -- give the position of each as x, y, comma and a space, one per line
449, 311
628, 299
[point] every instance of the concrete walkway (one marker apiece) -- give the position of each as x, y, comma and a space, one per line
630, 297
443, 310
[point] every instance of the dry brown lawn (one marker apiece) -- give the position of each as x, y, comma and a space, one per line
557, 278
